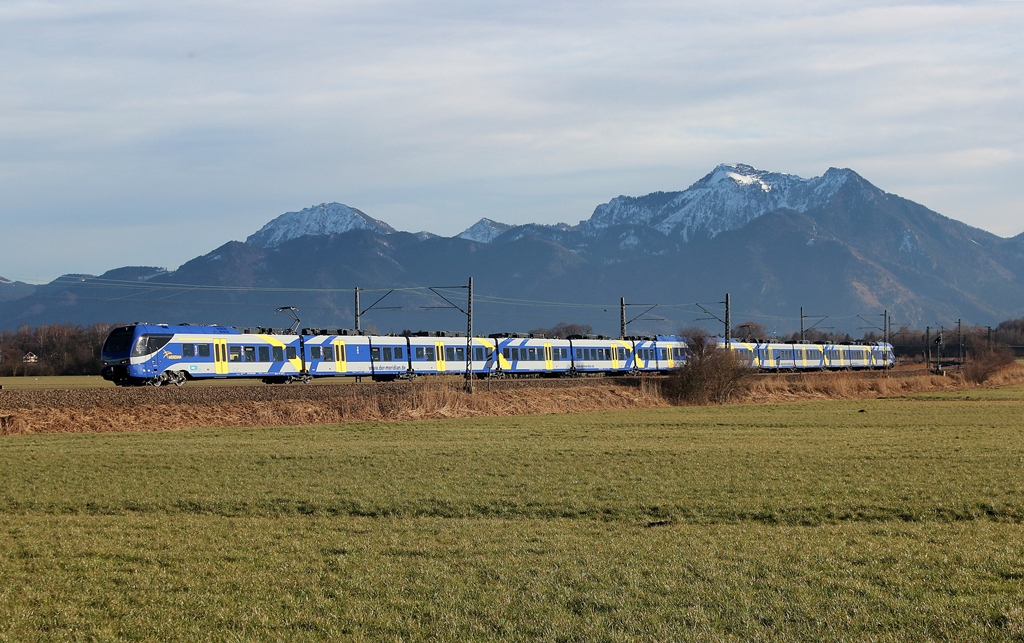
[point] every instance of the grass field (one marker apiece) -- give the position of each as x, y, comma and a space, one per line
896, 519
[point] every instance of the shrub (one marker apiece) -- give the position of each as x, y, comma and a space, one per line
709, 376
983, 362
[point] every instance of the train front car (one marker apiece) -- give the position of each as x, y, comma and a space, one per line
146, 354
157, 354
116, 355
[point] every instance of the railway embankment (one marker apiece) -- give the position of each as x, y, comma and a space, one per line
96, 410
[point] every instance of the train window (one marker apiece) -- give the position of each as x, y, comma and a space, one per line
449, 353
119, 340
460, 354
290, 352
419, 352
375, 354
250, 353
531, 354
188, 350
314, 352
386, 354
278, 354
264, 352
234, 353
579, 353
148, 344
512, 354
328, 353
399, 353
204, 350
430, 353
478, 354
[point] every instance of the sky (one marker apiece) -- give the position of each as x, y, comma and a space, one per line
136, 133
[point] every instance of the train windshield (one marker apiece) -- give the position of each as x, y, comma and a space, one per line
119, 340
148, 344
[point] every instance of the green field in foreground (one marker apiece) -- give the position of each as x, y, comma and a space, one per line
867, 520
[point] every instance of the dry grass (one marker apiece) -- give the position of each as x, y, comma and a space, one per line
426, 398
848, 386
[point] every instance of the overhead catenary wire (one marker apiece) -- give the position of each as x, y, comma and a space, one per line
163, 291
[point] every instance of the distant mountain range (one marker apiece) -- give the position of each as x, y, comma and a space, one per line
835, 244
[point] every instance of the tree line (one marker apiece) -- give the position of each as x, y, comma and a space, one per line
59, 349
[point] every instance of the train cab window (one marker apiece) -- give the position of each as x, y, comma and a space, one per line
290, 352
203, 349
234, 353
188, 350
314, 352
150, 344
278, 354
250, 353
328, 353
264, 352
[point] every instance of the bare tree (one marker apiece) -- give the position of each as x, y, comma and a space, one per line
561, 330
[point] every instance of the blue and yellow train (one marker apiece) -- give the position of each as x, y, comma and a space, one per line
159, 354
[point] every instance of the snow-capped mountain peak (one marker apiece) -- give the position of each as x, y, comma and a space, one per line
727, 198
326, 218
484, 231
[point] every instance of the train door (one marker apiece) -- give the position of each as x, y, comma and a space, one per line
549, 363
340, 359
220, 356
439, 357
